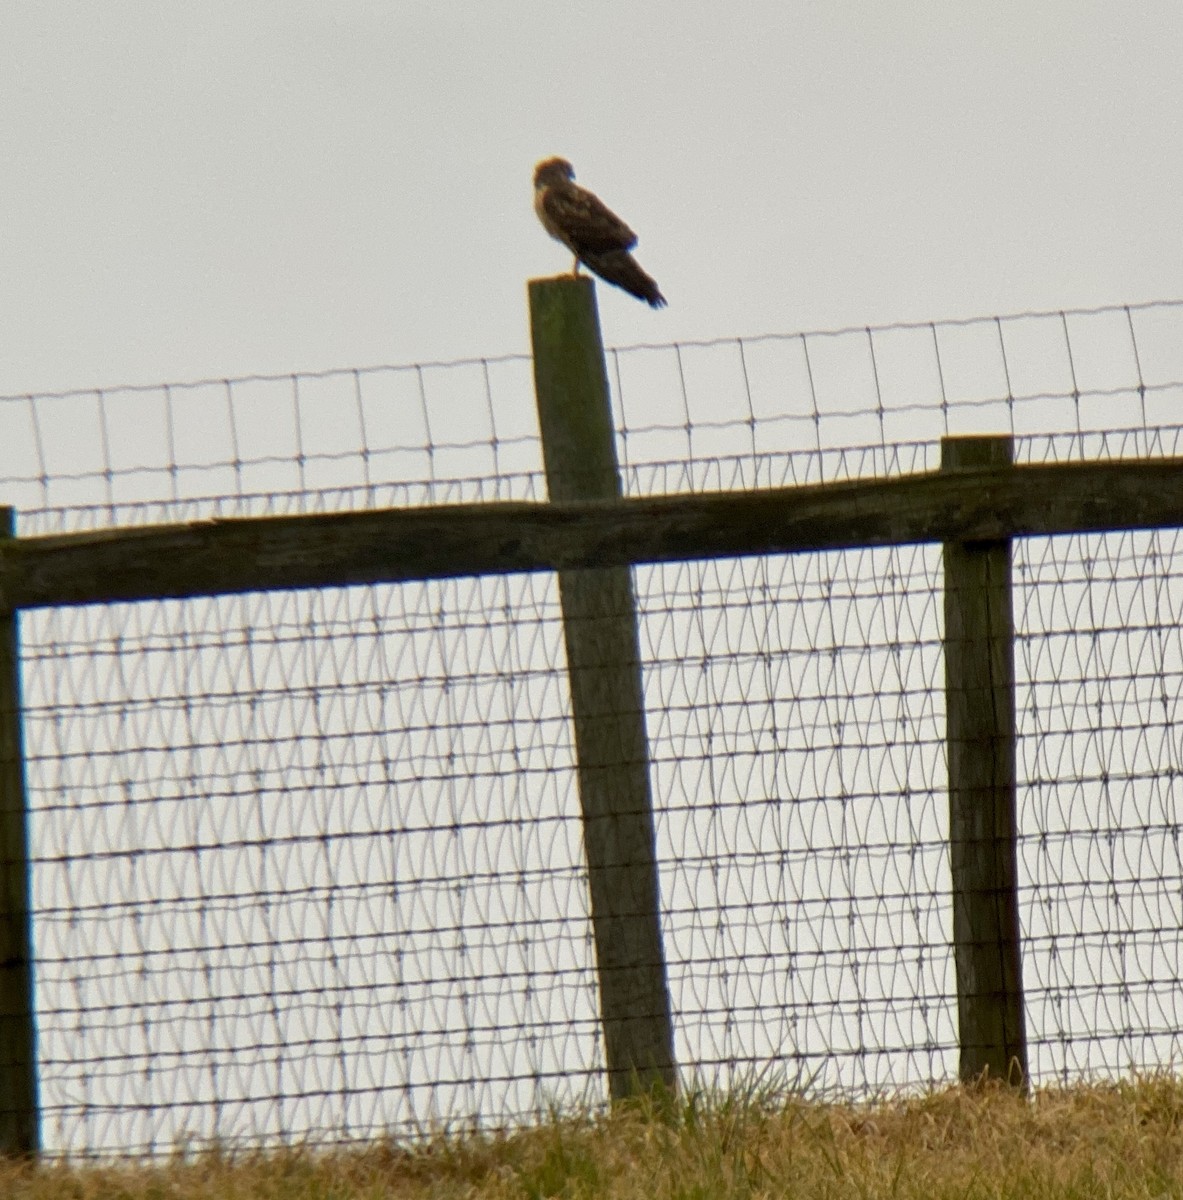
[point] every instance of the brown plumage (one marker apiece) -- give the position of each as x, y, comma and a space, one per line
590, 230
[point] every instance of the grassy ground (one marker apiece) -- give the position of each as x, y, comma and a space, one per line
1113, 1141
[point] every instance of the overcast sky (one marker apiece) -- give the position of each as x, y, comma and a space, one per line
221, 188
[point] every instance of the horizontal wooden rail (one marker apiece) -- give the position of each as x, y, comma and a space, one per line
397, 545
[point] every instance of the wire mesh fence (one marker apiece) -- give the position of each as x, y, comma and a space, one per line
310, 863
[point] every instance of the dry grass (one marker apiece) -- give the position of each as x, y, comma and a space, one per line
1112, 1141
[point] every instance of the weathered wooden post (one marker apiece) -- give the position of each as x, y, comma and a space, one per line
19, 1133
980, 715
604, 664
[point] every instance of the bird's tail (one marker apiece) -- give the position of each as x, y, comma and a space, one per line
619, 267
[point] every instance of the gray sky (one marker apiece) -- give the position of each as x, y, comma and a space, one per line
229, 187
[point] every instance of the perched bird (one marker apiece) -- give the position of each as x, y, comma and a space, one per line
590, 230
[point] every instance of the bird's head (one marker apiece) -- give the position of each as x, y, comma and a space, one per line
553, 170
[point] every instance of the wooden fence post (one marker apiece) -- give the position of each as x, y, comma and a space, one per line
19, 1134
604, 664
980, 714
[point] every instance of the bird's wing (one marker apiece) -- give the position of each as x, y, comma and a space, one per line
619, 267
587, 223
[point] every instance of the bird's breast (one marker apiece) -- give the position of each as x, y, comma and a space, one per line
548, 224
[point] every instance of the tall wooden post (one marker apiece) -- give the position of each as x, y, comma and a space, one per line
604, 663
980, 714
19, 1134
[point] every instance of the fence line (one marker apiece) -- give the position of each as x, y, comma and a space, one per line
212, 558
299, 738
782, 409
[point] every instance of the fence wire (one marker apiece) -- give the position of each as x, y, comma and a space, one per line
310, 863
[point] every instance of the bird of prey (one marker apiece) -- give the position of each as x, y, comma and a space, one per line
590, 230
